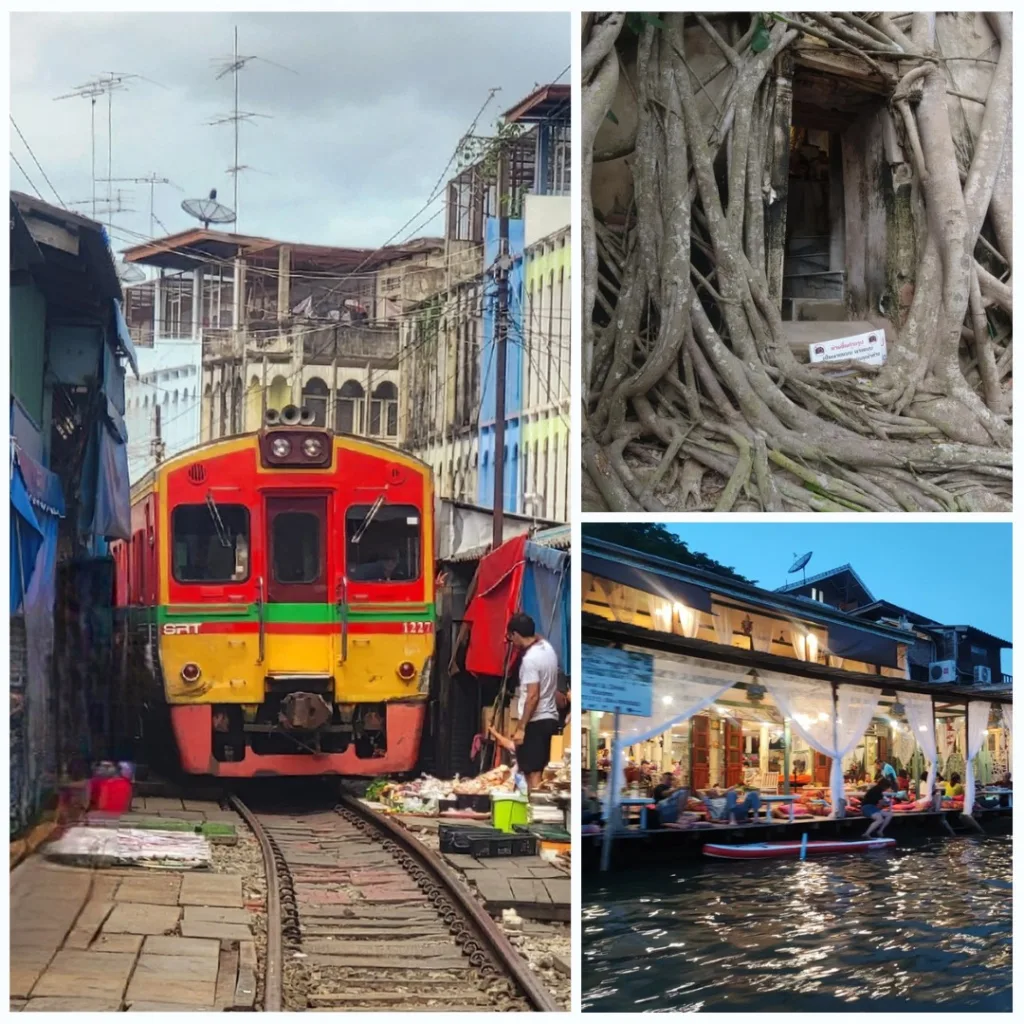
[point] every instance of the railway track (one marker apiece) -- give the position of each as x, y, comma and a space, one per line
361, 917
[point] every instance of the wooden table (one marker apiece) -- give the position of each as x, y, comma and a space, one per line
767, 801
643, 802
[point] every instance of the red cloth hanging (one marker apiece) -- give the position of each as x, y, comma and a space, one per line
497, 598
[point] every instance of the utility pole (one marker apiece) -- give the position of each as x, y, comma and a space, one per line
501, 268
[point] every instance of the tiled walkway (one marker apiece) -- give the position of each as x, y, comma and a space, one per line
129, 939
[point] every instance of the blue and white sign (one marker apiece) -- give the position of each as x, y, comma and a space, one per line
615, 680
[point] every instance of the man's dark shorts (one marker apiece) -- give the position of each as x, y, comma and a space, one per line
533, 754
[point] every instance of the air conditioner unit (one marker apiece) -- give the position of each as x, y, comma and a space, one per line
982, 674
942, 672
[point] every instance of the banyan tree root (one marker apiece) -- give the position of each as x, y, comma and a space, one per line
693, 397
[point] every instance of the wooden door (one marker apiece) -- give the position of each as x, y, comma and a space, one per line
822, 768
883, 751
733, 754
700, 742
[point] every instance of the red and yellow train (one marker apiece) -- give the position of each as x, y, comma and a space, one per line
278, 592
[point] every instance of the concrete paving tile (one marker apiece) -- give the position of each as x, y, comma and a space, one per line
215, 930
149, 1007
49, 1004
142, 919
93, 914
222, 915
163, 803
227, 978
176, 945
89, 975
210, 889
120, 942
150, 888
175, 979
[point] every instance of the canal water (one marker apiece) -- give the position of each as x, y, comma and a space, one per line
925, 927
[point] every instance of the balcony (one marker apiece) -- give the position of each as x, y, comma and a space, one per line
373, 344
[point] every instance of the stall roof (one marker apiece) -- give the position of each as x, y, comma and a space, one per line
666, 571
543, 104
602, 631
190, 249
925, 623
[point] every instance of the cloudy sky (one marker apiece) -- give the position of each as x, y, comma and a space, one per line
360, 128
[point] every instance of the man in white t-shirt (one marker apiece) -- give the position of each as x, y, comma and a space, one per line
538, 707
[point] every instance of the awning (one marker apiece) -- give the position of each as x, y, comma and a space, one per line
36, 496
519, 576
124, 338
657, 583
105, 489
859, 645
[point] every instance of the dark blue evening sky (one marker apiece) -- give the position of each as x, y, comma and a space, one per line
957, 573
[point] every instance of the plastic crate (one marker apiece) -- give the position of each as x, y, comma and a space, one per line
478, 841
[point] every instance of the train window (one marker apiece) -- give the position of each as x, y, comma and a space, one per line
211, 543
383, 543
296, 547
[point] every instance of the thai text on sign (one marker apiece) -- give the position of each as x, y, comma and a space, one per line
866, 348
615, 680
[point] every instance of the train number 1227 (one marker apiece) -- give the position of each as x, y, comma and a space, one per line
417, 627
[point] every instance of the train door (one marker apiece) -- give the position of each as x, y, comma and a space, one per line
299, 618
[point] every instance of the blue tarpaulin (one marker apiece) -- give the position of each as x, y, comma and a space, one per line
105, 509
545, 596
26, 538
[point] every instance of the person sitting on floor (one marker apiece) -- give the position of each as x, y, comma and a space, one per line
724, 805
954, 787
665, 789
884, 770
875, 806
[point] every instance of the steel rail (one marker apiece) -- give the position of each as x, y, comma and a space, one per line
273, 967
492, 936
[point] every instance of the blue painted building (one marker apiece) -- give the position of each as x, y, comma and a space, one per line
513, 367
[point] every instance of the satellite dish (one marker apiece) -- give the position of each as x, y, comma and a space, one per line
128, 273
801, 562
208, 210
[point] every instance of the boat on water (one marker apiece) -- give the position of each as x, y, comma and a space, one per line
817, 847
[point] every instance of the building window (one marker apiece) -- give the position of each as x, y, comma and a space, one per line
314, 398
384, 410
348, 408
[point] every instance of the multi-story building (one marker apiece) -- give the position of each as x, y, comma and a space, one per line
274, 324
448, 366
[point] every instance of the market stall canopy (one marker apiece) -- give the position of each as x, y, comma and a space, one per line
521, 575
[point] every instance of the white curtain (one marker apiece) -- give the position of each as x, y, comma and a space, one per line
661, 614
921, 716
834, 661
1007, 710
799, 642
723, 625
682, 688
829, 729
762, 634
977, 722
689, 620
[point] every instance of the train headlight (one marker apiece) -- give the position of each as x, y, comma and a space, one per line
190, 672
281, 447
406, 671
312, 447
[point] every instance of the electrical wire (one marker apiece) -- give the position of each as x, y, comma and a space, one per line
32, 154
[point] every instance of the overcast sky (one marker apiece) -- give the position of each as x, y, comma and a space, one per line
358, 136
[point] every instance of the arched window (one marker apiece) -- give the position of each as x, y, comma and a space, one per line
145, 402
314, 397
349, 403
175, 396
220, 402
384, 410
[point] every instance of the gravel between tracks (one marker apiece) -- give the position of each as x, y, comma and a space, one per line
246, 859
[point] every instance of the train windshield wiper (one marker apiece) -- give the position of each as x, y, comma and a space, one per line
218, 523
370, 516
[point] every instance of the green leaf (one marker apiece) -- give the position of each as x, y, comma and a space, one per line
611, 117
652, 19
761, 39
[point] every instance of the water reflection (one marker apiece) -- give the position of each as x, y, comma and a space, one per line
927, 925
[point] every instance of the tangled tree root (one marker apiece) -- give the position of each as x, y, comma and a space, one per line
693, 397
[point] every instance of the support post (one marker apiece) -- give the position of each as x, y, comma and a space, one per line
500, 356
612, 818
787, 751
595, 735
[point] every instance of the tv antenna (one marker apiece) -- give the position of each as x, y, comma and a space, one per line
800, 562
208, 210
105, 84
232, 66
152, 180
114, 204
